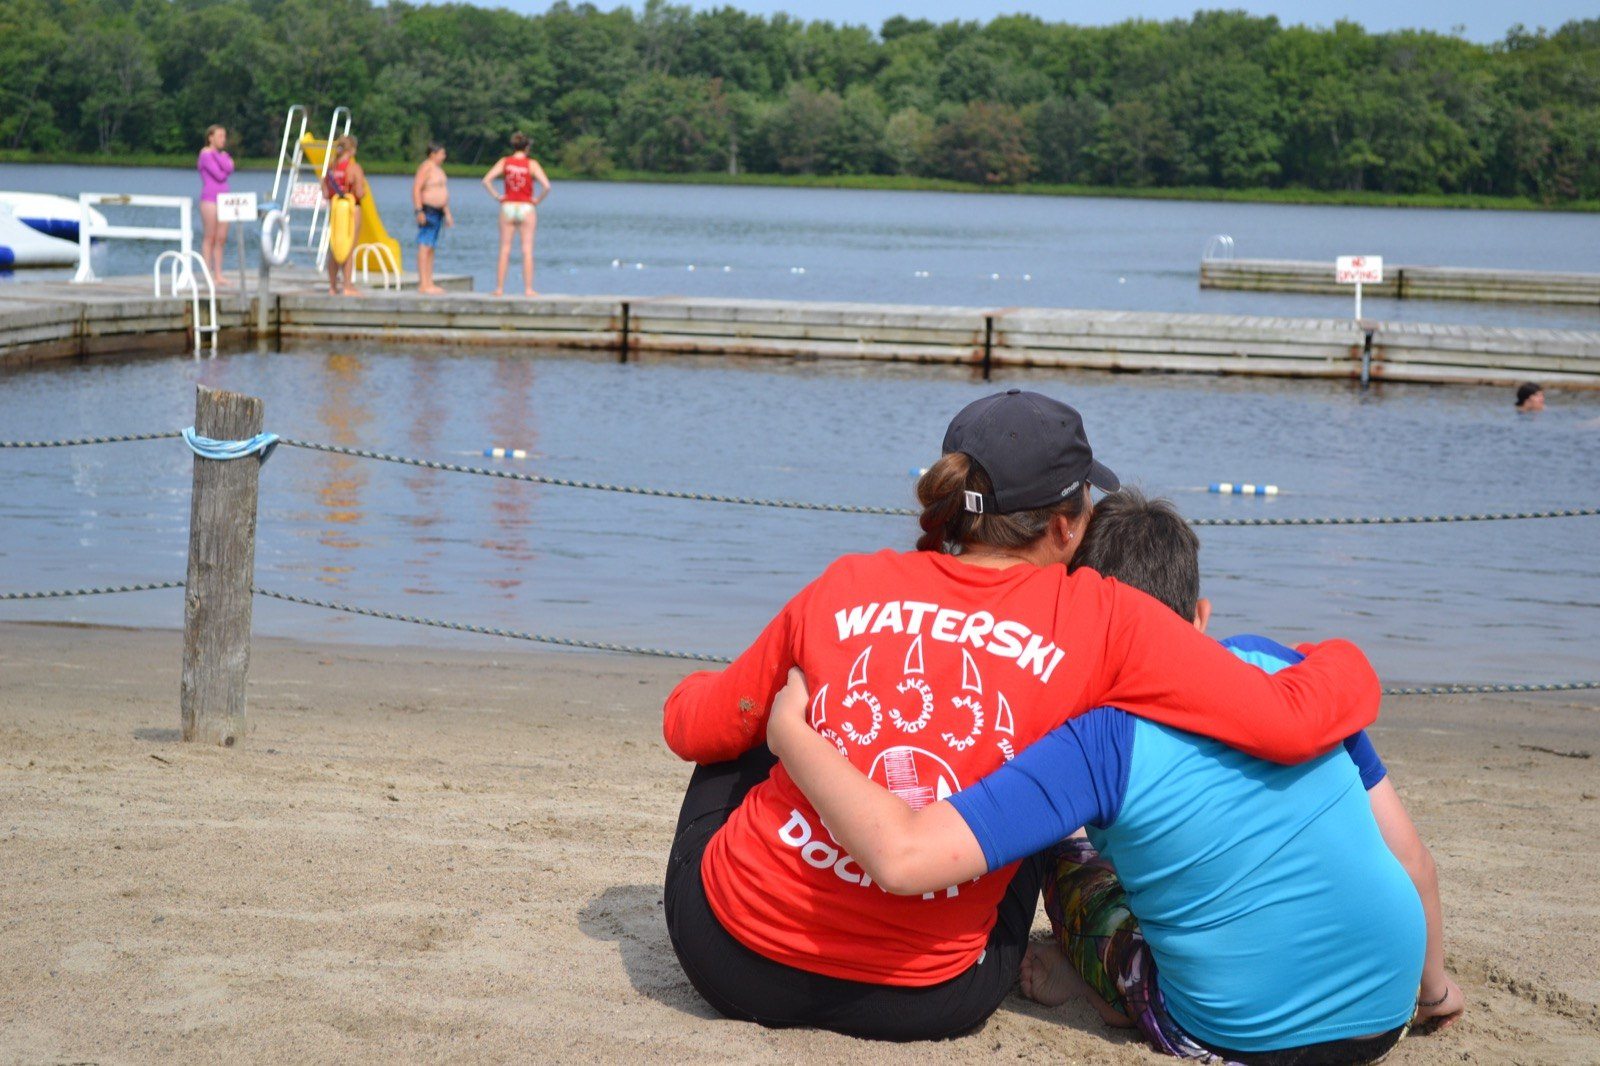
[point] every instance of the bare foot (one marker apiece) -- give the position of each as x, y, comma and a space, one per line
1048, 977
529, 292
351, 290
497, 292
430, 290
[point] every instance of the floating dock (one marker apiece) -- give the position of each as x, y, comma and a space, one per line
59, 320
1405, 282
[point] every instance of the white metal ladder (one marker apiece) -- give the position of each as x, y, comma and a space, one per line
180, 276
291, 160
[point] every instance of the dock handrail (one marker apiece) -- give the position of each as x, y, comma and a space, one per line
1220, 246
88, 230
181, 276
388, 268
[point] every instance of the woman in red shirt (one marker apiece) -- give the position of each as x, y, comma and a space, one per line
929, 669
518, 208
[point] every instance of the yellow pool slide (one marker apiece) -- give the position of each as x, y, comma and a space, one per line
372, 230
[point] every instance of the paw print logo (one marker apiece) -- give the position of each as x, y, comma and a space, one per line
861, 717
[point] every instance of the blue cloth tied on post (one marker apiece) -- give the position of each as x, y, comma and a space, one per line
207, 448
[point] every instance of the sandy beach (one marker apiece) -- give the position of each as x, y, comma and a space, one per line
442, 855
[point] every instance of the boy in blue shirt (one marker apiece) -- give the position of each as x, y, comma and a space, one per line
1274, 924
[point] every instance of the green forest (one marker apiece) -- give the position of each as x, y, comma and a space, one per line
1223, 100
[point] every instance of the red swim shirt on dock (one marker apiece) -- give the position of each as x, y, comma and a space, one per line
518, 178
927, 673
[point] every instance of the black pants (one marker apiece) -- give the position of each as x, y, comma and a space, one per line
748, 986
1349, 1052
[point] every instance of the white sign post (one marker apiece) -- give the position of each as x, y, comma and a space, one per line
1358, 270
237, 207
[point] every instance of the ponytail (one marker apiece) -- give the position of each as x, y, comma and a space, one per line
949, 527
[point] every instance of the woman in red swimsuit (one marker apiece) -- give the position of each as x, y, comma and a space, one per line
518, 208
929, 669
345, 178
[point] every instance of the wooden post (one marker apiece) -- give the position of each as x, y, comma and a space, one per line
988, 346
222, 558
623, 350
263, 287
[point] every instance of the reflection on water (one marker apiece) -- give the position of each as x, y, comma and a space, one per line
510, 425
343, 413
1484, 601
425, 518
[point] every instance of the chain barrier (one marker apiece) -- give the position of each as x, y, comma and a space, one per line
106, 590
803, 505
493, 631
600, 486
74, 442
1399, 520
901, 512
666, 653
1475, 690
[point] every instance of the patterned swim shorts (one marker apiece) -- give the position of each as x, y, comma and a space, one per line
1090, 919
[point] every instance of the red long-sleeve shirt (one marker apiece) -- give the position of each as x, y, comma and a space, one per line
928, 672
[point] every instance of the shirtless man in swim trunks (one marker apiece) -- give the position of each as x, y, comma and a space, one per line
430, 195
518, 208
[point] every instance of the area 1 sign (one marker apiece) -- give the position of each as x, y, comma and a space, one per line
236, 207
1358, 270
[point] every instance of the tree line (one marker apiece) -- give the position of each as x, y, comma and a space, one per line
1223, 99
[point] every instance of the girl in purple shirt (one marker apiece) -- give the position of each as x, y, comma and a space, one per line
214, 165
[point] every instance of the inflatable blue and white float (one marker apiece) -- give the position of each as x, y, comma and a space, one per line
53, 216
23, 246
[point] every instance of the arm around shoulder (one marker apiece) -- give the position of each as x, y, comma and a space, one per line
1159, 667
906, 852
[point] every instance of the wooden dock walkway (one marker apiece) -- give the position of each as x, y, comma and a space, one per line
58, 320
1405, 282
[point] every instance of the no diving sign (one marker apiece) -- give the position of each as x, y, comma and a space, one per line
1358, 270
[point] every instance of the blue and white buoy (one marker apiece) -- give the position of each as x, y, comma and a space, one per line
1229, 488
504, 453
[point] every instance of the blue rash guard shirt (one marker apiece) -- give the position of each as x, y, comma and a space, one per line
1276, 914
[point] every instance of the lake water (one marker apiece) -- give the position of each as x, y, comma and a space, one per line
1460, 602
929, 248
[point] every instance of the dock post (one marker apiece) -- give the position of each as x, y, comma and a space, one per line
1366, 357
222, 553
988, 345
623, 350
263, 287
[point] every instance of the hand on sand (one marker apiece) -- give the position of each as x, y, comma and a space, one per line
1437, 1017
1048, 977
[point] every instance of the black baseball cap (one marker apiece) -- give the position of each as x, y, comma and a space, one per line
1032, 447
